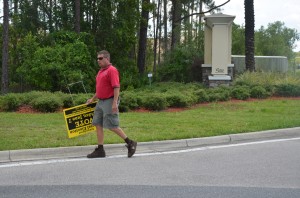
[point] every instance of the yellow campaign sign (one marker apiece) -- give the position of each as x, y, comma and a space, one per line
79, 119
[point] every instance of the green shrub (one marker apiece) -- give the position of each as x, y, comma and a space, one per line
177, 99
47, 103
155, 102
270, 89
129, 101
287, 90
201, 95
123, 108
218, 94
258, 92
49, 67
80, 99
279, 84
67, 100
177, 64
10, 102
257, 78
1, 102
131, 79
241, 92
29, 96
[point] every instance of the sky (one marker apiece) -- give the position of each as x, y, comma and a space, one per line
266, 11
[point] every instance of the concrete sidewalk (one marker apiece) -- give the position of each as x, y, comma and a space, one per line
144, 147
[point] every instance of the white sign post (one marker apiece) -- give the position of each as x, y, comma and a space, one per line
150, 78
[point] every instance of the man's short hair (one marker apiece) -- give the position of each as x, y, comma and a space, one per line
104, 53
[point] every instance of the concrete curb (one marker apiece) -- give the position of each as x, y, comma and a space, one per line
143, 147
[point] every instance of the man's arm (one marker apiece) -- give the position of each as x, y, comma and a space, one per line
91, 99
115, 101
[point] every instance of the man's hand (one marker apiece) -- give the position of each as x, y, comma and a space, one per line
115, 107
89, 101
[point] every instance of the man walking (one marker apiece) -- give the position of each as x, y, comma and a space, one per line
106, 114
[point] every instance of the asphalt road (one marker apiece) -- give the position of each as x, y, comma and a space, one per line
269, 168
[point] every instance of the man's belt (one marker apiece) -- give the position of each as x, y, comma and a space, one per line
106, 98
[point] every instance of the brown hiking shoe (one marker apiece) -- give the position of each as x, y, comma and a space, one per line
131, 148
97, 153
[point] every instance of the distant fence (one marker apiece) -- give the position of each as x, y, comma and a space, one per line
262, 63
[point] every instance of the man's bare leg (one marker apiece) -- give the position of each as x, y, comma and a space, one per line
119, 132
100, 134
131, 145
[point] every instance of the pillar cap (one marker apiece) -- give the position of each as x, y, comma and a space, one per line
218, 19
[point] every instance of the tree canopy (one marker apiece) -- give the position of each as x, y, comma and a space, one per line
54, 42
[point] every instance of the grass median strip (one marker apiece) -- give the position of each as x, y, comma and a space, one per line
45, 130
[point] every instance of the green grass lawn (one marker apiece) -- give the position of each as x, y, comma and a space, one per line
27, 131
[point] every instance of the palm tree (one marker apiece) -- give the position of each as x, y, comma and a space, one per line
143, 36
176, 22
249, 35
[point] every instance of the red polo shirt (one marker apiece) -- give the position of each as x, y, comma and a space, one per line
107, 79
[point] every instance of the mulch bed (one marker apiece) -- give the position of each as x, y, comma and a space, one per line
26, 109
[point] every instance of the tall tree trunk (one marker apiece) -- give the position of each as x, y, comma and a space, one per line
185, 24
35, 16
4, 83
176, 23
77, 16
199, 28
159, 38
89, 13
55, 13
156, 34
16, 3
64, 15
165, 26
143, 37
50, 16
249, 35
190, 31
94, 16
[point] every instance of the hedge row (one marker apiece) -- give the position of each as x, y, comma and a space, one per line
41, 101
156, 97
165, 95
179, 95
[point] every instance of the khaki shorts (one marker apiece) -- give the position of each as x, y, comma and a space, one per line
103, 115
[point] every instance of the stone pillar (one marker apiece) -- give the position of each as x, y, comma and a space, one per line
217, 68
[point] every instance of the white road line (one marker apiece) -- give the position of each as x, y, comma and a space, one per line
41, 162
